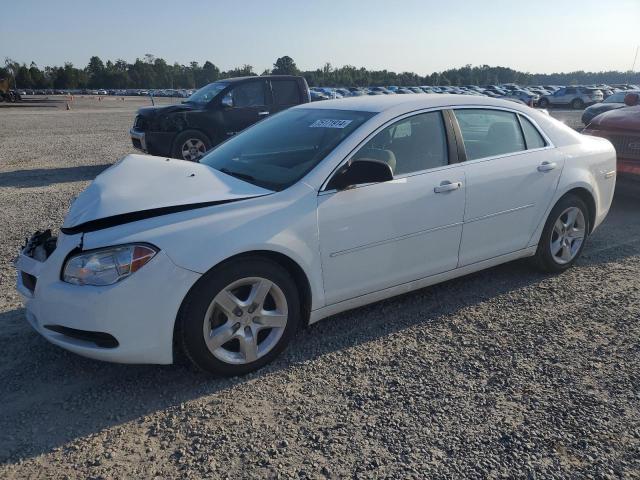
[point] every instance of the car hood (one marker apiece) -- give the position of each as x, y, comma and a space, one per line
604, 107
178, 107
142, 186
627, 118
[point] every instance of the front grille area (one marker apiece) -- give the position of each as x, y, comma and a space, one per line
28, 280
140, 123
626, 145
100, 339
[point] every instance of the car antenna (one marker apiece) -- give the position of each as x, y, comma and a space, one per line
630, 72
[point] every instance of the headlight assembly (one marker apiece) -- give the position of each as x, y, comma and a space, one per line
107, 266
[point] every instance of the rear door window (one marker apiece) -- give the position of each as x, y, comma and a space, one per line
487, 133
285, 92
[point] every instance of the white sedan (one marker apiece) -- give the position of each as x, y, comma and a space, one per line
319, 209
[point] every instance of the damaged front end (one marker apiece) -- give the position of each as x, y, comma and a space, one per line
34, 252
40, 245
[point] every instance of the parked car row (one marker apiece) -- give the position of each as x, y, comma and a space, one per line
166, 92
576, 97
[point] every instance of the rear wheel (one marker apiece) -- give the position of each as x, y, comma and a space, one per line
564, 235
190, 145
577, 104
239, 316
543, 103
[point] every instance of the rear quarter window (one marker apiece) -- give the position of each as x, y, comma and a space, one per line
285, 92
532, 136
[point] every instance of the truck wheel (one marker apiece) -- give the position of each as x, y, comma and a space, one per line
190, 145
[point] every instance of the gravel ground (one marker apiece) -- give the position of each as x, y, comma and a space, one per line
505, 373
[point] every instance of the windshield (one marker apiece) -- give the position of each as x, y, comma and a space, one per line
280, 150
206, 93
615, 98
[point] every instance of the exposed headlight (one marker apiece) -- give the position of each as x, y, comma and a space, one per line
107, 266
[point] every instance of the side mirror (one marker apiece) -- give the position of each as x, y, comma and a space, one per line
631, 99
227, 101
360, 171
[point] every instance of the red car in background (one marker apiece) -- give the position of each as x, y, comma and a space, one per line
622, 128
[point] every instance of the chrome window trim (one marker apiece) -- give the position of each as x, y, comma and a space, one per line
541, 131
517, 112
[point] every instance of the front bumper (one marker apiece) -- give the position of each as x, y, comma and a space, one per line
138, 312
153, 143
138, 138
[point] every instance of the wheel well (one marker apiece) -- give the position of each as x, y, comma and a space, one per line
587, 198
299, 277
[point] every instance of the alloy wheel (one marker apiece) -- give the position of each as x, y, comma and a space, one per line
193, 149
568, 235
245, 320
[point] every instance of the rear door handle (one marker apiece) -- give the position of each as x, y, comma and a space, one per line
547, 166
447, 186
262, 114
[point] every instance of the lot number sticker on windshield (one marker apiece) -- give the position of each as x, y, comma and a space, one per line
328, 123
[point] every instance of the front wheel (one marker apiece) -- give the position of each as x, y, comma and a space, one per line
190, 145
564, 235
239, 316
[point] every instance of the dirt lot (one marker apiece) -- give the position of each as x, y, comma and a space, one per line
506, 373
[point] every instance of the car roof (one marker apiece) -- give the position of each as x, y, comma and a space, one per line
255, 77
408, 103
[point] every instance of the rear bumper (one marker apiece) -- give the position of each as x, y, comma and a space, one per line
129, 322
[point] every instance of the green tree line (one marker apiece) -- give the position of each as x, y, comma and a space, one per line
152, 72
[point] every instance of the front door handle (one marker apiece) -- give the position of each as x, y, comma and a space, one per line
263, 114
547, 166
447, 186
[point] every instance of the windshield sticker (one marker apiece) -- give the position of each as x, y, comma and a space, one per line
328, 123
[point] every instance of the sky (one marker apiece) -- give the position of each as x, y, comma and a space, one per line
422, 36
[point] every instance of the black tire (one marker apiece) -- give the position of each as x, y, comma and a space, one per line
577, 104
196, 304
189, 135
544, 258
543, 103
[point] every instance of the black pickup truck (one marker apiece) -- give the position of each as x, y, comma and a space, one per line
213, 114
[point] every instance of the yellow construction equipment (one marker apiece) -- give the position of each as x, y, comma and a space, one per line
6, 93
